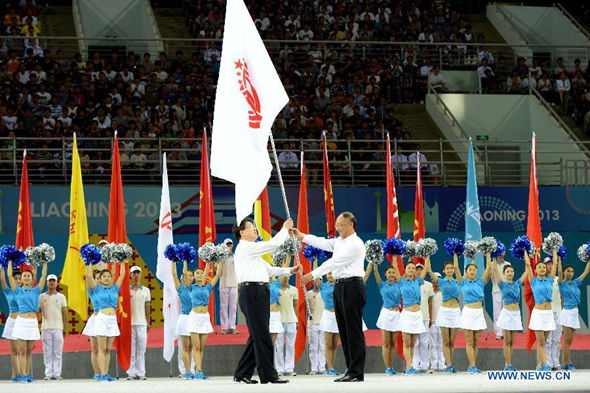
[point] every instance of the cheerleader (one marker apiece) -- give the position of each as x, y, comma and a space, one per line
410, 321
328, 323
509, 320
26, 327
388, 320
12, 314
89, 328
184, 294
105, 328
542, 321
275, 326
199, 320
449, 314
569, 318
473, 320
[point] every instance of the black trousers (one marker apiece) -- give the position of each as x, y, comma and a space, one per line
254, 301
349, 301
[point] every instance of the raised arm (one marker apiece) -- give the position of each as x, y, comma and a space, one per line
433, 276
528, 268
427, 267
495, 274
554, 265
10, 278
486, 273
378, 275
3, 279
175, 275
41, 283
207, 269
585, 273
319, 242
287, 261
217, 274
457, 269
368, 272
90, 283
260, 248
559, 271
124, 268
396, 271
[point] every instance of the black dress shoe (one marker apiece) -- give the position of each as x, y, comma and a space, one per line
351, 379
245, 380
339, 379
278, 380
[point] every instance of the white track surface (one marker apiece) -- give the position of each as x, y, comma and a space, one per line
462, 382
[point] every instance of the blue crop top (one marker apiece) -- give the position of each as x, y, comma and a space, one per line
510, 292
542, 289
200, 295
472, 290
327, 292
410, 290
570, 293
11, 300
449, 288
390, 293
275, 291
27, 299
186, 303
106, 297
92, 298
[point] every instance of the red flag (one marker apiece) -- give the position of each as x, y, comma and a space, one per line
302, 225
393, 228
118, 234
419, 227
207, 231
24, 225
328, 195
533, 231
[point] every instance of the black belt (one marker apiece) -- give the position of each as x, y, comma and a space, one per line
252, 283
348, 279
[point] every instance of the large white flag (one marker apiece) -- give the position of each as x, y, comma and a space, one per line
249, 97
171, 307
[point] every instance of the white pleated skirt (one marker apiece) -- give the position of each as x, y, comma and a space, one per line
449, 317
274, 324
411, 322
199, 322
388, 320
26, 329
509, 320
90, 326
182, 326
542, 320
9, 328
328, 322
106, 326
473, 319
570, 318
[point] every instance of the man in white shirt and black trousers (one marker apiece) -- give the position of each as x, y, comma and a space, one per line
252, 273
347, 267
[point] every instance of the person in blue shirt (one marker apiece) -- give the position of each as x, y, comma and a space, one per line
199, 320
106, 297
388, 320
183, 287
26, 327
449, 314
473, 320
542, 321
12, 314
89, 328
509, 319
410, 321
328, 323
569, 318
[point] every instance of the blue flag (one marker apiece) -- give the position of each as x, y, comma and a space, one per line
472, 215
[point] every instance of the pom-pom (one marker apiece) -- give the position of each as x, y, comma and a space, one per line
323, 255
292, 246
311, 252
10, 253
500, 250
487, 245
122, 252
279, 255
562, 252
470, 249
186, 252
40, 255
427, 247
91, 254
411, 249
209, 252
170, 252
520, 245
395, 247
107, 253
551, 242
454, 246
374, 251
584, 252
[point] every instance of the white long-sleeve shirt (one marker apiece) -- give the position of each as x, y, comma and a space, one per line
348, 259
248, 262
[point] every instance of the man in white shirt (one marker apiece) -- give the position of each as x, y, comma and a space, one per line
347, 267
287, 158
437, 358
421, 359
54, 309
315, 337
413, 160
252, 273
285, 342
497, 295
140, 320
553, 343
228, 294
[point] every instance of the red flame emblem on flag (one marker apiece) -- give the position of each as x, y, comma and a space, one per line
249, 92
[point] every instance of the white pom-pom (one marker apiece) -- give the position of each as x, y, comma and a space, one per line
487, 245
551, 242
427, 247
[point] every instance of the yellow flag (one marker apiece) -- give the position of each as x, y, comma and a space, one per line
262, 220
74, 268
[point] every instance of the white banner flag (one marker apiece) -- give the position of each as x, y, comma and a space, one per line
249, 97
171, 306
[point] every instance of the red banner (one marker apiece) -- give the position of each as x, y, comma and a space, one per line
328, 194
24, 226
419, 227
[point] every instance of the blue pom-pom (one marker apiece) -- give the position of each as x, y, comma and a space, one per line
395, 247
311, 252
170, 252
10, 253
185, 252
500, 250
91, 254
519, 246
454, 246
562, 252
325, 254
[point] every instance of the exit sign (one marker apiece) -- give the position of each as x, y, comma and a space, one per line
483, 138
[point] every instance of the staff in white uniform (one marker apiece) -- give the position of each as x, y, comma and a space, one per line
315, 336
437, 358
421, 360
54, 310
140, 318
285, 343
228, 294
553, 343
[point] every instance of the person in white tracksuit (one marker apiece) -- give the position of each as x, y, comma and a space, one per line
285, 343
140, 318
421, 361
228, 294
437, 359
315, 336
54, 311
553, 343
497, 294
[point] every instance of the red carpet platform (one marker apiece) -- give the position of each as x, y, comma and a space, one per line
79, 342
